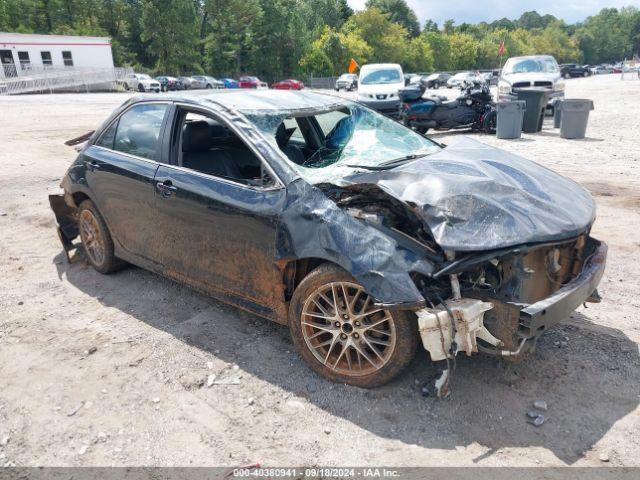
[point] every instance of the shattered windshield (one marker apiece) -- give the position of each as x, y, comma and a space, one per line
330, 144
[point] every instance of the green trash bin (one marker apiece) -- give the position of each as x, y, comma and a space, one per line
557, 114
575, 116
510, 115
536, 99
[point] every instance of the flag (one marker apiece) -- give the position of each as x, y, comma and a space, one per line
353, 65
501, 50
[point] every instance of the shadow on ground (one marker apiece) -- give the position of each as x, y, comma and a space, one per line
587, 373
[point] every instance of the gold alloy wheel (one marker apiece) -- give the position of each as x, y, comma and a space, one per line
91, 237
345, 332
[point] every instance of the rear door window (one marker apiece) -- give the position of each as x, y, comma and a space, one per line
138, 130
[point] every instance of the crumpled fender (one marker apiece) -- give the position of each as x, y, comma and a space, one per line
312, 226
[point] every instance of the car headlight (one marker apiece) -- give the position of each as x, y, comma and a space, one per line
559, 86
504, 87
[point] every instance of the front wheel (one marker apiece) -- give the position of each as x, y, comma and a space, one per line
585, 74
342, 336
141, 88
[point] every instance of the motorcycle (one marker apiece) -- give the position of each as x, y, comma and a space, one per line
474, 109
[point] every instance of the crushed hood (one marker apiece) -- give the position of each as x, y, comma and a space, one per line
475, 197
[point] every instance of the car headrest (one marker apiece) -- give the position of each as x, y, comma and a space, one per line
196, 136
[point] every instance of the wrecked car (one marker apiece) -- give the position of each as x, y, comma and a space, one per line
362, 236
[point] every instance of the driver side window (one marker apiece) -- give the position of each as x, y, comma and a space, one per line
208, 146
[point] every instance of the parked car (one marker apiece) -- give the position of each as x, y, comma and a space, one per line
288, 84
229, 82
185, 83
168, 83
531, 71
251, 82
371, 250
346, 81
204, 81
435, 80
602, 70
460, 78
571, 70
141, 82
378, 87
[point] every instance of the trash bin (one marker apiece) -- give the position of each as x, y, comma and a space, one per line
536, 99
510, 116
575, 115
557, 114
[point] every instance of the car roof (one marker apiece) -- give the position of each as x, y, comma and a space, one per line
526, 57
267, 101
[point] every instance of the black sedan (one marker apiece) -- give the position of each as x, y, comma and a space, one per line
572, 70
317, 212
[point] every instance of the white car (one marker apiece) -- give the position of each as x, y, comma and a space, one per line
141, 82
378, 86
540, 71
459, 79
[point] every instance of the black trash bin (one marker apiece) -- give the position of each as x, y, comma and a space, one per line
536, 100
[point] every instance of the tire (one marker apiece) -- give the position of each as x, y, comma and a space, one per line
107, 262
141, 88
126, 87
489, 122
585, 74
436, 85
567, 75
402, 328
209, 86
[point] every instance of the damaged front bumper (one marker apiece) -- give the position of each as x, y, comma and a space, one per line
457, 323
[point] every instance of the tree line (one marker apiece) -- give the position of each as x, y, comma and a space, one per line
280, 38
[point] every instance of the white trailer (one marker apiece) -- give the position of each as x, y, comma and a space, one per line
32, 62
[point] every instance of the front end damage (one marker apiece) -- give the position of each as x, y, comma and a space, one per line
498, 301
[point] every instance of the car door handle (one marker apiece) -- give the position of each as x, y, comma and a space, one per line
166, 188
92, 165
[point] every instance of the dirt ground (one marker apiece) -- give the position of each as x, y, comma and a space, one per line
142, 397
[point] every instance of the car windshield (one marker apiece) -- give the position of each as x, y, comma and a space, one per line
353, 138
346, 77
530, 65
144, 76
388, 75
462, 75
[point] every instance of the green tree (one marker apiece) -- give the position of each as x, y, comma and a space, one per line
398, 12
171, 28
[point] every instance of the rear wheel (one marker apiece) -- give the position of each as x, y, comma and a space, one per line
96, 239
489, 122
342, 336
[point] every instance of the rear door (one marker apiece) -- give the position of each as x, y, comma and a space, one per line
120, 171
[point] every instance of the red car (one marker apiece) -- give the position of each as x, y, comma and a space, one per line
251, 82
289, 84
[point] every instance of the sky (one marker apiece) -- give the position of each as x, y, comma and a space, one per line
474, 11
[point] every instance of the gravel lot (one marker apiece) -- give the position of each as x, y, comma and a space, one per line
142, 397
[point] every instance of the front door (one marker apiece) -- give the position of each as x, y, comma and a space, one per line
8, 64
120, 171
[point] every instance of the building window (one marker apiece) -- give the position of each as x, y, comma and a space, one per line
67, 59
46, 59
25, 63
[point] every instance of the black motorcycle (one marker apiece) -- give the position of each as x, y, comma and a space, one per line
474, 109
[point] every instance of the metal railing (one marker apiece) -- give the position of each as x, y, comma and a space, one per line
48, 79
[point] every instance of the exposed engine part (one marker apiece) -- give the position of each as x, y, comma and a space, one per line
437, 331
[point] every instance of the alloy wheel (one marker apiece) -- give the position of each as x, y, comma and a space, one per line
345, 332
91, 237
